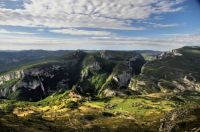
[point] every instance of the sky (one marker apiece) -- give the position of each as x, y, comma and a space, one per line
99, 24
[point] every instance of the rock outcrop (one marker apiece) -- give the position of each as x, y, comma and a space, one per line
191, 83
176, 71
122, 79
11, 76
107, 73
184, 119
39, 81
119, 81
172, 53
94, 67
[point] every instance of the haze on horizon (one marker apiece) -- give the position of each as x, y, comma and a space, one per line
99, 24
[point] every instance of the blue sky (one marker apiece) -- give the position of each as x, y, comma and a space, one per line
99, 24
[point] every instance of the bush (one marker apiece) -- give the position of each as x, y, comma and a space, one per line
72, 105
9, 108
107, 114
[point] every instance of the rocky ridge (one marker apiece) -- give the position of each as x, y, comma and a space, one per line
106, 74
175, 71
85, 73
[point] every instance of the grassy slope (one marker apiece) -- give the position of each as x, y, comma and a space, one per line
173, 67
64, 112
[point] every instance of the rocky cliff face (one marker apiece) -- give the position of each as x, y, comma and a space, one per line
172, 53
8, 80
184, 119
94, 67
119, 81
44, 80
106, 73
176, 71
86, 73
11, 76
40, 81
122, 79
191, 83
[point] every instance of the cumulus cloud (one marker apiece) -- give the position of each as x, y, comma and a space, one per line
91, 19
113, 14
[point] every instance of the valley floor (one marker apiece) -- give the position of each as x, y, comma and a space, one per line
70, 112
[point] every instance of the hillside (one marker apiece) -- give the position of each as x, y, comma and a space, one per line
175, 71
88, 73
104, 91
11, 59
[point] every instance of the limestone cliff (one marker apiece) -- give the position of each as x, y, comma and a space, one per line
11, 76
176, 71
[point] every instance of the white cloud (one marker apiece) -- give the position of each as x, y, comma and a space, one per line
159, 25
4, 31
9, 42
113, 14
72, 31
40, 30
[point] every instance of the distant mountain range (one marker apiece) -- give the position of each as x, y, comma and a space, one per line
12, 59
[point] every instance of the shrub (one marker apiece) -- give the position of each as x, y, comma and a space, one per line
9, 108
72, 105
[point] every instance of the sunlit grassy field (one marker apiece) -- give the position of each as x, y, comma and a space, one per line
67, 112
